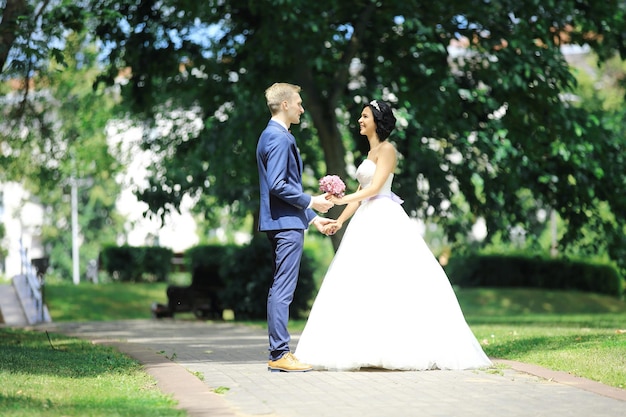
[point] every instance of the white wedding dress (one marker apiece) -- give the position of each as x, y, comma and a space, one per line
385, 301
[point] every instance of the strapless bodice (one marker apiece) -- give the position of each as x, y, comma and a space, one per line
365, 174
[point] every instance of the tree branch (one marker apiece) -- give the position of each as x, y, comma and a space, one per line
340, 78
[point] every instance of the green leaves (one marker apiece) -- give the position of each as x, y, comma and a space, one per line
488, 121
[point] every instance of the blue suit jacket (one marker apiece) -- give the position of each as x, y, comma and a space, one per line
283, 203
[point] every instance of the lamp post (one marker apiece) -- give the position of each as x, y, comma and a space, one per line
74, 184
75, 252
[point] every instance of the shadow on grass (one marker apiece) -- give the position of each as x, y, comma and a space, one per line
511, 302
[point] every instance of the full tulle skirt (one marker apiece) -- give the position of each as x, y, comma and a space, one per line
386, 302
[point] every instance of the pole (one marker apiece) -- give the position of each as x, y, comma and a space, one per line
75, 255
554, 248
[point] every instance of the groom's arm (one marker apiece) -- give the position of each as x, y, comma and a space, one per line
283, 175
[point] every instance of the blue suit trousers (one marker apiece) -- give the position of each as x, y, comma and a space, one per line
288, 246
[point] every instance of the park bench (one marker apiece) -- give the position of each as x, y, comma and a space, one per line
201, 297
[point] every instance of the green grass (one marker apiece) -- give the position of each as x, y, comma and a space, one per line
580, 333
102, 302
595, 353
575, 332
64, 376
510, 303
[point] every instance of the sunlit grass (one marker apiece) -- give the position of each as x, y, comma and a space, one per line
64, 376
114, 301
580, 333
595, 353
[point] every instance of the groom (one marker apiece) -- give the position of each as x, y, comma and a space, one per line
285, 213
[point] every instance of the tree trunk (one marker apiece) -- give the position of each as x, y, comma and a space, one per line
9, 27
324, 118
322, 109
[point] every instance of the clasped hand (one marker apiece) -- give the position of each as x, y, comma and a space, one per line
327, 226
335, 200
321, 203
331, 228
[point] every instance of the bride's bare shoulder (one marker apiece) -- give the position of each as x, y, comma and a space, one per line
387, 150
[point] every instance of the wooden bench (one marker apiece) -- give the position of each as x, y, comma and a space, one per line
200, 298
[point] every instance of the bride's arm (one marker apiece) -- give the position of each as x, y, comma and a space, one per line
347, 212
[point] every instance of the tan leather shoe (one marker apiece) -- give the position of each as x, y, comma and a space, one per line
288, 363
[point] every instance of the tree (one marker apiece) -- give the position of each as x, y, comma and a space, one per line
59, 137
31, 34
484, 131
32, 31
601, 91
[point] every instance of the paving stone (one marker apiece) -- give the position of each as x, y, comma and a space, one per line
233, 358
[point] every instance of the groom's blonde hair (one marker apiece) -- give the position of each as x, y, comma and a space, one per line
279, 92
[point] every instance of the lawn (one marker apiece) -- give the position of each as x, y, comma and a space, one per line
580, 333
116, 301
66, 376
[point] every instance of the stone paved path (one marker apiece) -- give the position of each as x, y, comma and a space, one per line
231, 358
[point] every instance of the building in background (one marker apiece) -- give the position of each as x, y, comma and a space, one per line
22, 218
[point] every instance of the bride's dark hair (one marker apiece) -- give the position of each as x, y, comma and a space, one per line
384, 118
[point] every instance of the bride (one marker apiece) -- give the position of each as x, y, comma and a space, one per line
385, 301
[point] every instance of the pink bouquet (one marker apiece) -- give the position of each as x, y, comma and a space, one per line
332, 184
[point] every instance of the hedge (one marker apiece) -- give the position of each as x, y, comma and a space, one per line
137, 263
242, 276
534, 272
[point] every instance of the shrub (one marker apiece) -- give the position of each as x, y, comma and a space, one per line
205, 262
137, 263
248, 273
534, 272
157, 262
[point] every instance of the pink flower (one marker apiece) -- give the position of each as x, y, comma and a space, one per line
332, 184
